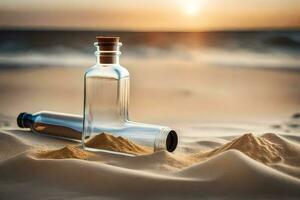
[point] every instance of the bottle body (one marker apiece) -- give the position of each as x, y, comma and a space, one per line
52, 124
106, 90
106, 97
69, 126
106, 125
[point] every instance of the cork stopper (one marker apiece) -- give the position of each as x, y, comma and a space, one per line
108, 43
107, 39
109, 49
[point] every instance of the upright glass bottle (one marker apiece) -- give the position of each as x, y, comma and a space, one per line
106, 99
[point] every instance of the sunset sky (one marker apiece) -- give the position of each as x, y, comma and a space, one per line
153, 15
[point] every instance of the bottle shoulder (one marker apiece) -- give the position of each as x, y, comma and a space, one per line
107, 71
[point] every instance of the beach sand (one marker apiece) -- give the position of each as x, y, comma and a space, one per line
162, 92
65, 172
213, 109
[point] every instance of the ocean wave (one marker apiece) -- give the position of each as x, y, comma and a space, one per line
200, 56
33, 59
263, 49
283, 41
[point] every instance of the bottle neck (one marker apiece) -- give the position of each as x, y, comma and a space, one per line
105, 59
25, 120
107, 53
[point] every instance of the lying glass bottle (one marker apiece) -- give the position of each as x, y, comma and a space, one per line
70, 127
106, 100
53, 124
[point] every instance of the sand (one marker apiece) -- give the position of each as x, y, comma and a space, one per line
119, 144
257, 148
270, 149
192, 93
63, 153
209, 107
231, 170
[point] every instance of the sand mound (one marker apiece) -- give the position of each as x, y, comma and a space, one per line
66, 152
258, 148
118, 144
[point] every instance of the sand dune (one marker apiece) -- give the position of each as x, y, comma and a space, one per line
227, 173
11, 145
235, 172
223, 175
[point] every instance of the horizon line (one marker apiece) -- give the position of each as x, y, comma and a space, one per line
19, 28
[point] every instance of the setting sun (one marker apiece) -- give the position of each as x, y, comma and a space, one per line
192, 8
143, 15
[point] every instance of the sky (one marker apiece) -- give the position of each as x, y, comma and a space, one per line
150, 15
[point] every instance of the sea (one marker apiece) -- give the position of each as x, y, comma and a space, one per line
265, 49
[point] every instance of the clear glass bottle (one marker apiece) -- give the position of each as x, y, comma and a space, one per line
106, 100
54, 124
69, 126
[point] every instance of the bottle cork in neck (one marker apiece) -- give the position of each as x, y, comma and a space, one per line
108, 49
108, 43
